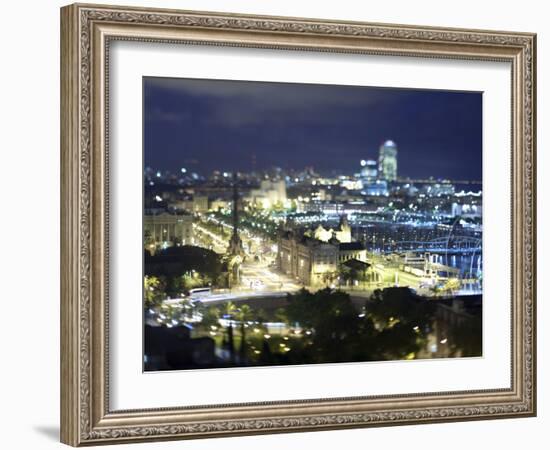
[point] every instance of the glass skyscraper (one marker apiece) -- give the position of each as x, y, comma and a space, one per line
387, 161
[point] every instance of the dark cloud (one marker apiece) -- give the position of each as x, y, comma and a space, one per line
229, 124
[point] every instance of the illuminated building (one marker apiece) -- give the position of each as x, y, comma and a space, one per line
387, 161
200, 203
438, 189
219, 204
369, 170
269, 194
169, 229
310, 260
352, 251
376, 188
336, 208
342, 233
319, 195
351, 185
315, 260
466, 210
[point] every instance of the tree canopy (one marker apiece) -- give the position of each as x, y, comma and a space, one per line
184, 267
392, 327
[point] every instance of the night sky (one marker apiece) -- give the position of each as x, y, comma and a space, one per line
206, 125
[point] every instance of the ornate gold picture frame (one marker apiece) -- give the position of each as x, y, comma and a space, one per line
87, 31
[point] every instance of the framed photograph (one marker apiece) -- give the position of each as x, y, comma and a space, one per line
274, 224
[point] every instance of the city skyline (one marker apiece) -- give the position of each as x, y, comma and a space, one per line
245, 126
364, 243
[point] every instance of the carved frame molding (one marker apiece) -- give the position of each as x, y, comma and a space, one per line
86, 32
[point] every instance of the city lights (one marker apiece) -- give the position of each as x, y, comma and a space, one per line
286, 249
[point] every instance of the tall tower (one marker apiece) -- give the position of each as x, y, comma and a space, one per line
235, 249
235, 243
387, 161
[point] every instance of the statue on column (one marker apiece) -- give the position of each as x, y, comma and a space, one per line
235, 251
